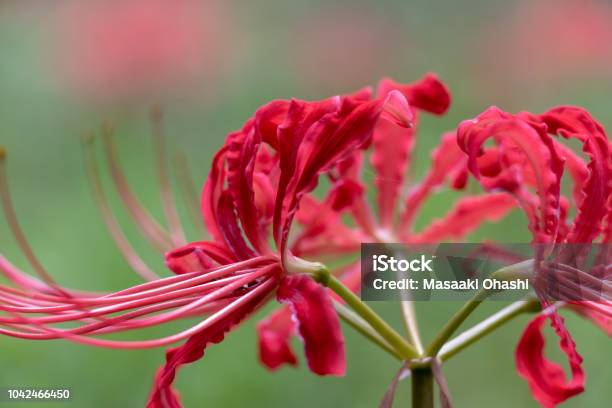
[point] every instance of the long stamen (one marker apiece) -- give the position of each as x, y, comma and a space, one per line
177, 234
188, 190
21, 279
120, 305
584, 276
150, 228
197, 284
15, 227
249, 263
128, 252
257, 292
169, 289
576, 289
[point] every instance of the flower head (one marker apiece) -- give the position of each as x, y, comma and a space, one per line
256, 184
528, 162
391, 219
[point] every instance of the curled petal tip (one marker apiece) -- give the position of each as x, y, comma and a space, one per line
397, 110
546, 379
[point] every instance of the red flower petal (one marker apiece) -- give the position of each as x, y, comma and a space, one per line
211, 194
241, 158
467, 215
162, 394
300, 118
447, 160
393, 146
351, 169
573, 122
547, 379
428, 94
230, 229
197, 256
274, 333
267, 120
599, 313
333, 138
318, 323
524, 145
323, 230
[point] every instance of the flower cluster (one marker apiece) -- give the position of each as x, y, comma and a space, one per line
268, 228
528, 162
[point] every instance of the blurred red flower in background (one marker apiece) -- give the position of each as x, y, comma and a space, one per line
544, 42
343, 47
135, 48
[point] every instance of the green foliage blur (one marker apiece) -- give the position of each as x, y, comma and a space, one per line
41, 124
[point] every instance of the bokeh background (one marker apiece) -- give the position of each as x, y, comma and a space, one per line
66, 66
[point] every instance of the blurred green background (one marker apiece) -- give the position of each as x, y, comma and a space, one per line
261, 51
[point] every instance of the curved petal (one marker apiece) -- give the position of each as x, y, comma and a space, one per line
526, 146
428, 93
599, 313
301, 116
547, 379
392, 148
466, 216
447, 160
318, 323
274, 333
573, 122
351, 169
241, 158
211, 194
328, 141
323, 230
162, 394
230, 229
393, 145
197, 256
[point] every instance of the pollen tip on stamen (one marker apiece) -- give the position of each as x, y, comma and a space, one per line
108, 128
2, 153
156, 112
88, 137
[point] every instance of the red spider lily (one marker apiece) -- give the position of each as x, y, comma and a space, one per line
325, 233
256, 183
527, 162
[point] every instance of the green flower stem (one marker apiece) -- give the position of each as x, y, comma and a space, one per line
364, 311
408, 312
487, 326
453, 324
362, 327
412, 327
422, 388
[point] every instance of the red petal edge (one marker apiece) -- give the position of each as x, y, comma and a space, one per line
547, 379
274, 333
318, 324
163, 395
